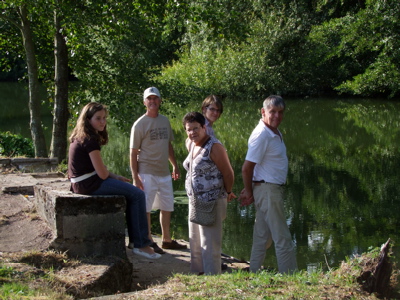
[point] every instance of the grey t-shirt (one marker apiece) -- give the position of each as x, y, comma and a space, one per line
151, 136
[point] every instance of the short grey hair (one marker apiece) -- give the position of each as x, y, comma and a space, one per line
274, 100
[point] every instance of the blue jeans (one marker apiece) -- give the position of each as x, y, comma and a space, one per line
136, 217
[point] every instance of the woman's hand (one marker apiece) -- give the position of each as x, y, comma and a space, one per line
122, 178
231, 196
119, 177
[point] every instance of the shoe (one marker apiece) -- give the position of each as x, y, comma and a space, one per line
145, 254
173, 245
130, 246
224, 266
156, 248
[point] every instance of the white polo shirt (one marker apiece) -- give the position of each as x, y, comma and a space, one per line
268, 151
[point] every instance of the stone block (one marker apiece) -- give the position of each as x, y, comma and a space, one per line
83, 225
35, 164
104, 276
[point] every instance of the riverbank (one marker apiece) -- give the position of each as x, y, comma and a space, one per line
24, 238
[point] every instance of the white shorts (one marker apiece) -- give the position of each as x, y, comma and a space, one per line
159, 192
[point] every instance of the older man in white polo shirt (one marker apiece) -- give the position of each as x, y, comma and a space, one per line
264, 174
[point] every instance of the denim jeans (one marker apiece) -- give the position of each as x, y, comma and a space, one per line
136, 218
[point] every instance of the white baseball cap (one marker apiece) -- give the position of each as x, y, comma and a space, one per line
151, 91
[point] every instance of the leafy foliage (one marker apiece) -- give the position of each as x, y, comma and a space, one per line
241, 49
263, 51
15, 145
361, 51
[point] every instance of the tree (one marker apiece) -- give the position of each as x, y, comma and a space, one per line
41, 12
110, 46
17, 14
116, 53
58, 146
288, 47
359, 53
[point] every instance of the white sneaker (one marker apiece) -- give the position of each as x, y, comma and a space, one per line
145, 254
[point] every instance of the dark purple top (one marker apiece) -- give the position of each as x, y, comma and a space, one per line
79, 164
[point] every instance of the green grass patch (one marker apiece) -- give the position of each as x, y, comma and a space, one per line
36, 281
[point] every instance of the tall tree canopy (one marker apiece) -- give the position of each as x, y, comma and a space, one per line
243, 49
291, 48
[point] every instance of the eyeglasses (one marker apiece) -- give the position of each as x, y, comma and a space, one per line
214, 110
194, 129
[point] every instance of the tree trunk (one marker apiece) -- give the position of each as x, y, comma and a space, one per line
37, 133
58, 148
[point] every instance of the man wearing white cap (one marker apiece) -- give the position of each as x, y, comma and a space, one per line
150, 153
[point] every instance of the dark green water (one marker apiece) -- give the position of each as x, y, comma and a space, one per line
343, 183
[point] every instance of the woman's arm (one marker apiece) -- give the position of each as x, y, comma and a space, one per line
220, 158
101, 169
97, 161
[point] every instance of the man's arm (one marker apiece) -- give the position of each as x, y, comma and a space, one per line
246, 196
134, 168
171, 156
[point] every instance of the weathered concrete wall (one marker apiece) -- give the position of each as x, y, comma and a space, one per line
23, 183
29, 165
83, 225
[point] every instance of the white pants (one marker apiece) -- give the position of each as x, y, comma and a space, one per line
159, 192
206, 243
270, 225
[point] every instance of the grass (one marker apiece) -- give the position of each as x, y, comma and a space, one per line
35, 280
30, 276
265, 285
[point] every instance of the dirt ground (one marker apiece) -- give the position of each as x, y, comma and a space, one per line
21, 230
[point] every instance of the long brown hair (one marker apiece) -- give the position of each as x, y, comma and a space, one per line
84, 130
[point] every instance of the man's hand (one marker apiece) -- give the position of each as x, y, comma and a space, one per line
246, 198
175, 173
137, 181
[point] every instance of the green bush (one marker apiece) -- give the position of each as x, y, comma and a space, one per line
15, 145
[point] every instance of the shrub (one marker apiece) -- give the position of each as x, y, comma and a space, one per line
15, 145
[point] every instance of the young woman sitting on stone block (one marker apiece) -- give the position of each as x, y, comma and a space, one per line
90, 176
